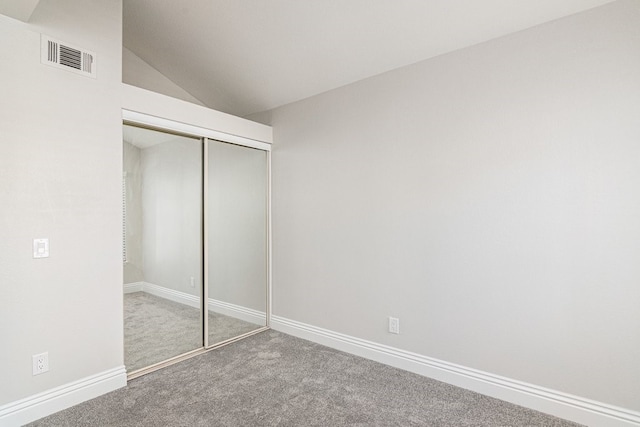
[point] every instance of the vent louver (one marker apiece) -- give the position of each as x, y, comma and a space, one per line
65, 56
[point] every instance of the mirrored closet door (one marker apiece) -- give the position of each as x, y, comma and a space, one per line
236, 244
162, 246
195, 245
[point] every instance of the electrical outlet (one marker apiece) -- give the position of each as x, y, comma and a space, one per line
40, 363
394, 325
192, 282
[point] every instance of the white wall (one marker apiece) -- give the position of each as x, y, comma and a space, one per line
489, 198
164, 207
237, 225
136, 72
60, 171
172, 214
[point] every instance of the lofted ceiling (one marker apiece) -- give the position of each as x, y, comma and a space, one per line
247, 56
18, 9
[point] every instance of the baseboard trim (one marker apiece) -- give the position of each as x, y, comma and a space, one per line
239, 312
556, 403
130, 288
46, 403
172, 295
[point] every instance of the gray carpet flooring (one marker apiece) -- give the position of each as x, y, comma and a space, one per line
156, 329
272, 379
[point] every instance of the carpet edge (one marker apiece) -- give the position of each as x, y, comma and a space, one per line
56, 399
552, 402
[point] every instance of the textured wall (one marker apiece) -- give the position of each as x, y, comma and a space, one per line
489, 198
60, 178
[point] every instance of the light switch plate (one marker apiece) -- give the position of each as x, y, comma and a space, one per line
40, 248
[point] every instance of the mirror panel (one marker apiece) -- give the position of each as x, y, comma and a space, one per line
236, 210
162, 245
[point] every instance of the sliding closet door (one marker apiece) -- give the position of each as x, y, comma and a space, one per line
162, 246
236, 256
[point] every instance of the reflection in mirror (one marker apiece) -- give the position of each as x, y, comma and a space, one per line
162, 246
237, 240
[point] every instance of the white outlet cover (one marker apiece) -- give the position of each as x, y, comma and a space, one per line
394, 325
40, 363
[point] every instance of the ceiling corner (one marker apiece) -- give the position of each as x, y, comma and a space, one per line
18, 9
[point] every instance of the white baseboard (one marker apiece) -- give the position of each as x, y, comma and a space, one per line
172, 295
239, 312
559, 404
42, 404
129, 288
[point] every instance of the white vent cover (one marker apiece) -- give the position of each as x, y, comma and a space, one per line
60, 54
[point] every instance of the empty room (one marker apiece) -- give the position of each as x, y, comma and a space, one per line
320, 213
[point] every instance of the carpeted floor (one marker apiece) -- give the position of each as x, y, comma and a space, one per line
156, 329
272, 379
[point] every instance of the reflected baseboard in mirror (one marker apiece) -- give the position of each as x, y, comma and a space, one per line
185, 196
162, 244
236, 230
157, 329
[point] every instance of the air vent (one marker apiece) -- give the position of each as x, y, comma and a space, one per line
67, 57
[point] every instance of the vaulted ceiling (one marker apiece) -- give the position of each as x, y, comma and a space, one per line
246, 56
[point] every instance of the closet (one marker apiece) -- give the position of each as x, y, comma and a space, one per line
195, 241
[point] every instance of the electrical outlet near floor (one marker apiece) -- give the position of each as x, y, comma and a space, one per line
394, 325
40, 363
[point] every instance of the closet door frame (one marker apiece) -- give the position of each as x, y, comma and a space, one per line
162, 124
